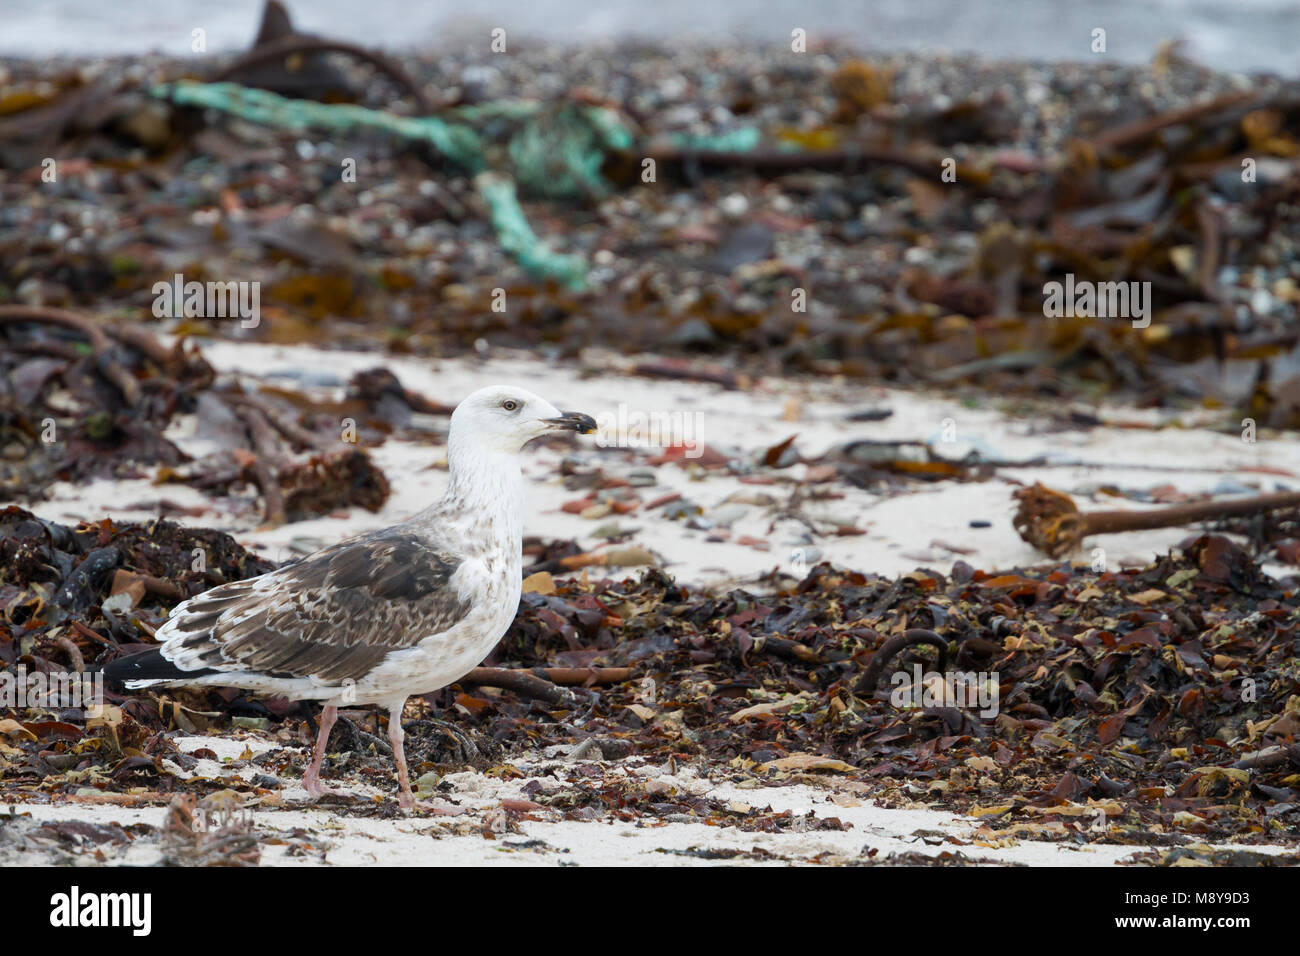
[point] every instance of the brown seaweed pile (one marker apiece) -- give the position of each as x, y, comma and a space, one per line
1149, 706
82, 400
897, 218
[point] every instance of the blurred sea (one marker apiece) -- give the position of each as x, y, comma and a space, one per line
1234, 35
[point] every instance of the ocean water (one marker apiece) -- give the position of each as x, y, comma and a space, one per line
1237, 35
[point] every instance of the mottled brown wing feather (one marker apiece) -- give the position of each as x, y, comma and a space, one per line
334, 615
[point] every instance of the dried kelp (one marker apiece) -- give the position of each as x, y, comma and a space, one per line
749, 241
1158, 705
81, 399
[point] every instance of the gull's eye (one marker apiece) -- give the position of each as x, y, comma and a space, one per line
510, 405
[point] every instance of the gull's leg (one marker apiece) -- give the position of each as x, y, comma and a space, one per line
311, 778
396, 736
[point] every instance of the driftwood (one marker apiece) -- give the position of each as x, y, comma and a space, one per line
1052, 523
100, 344
278, 49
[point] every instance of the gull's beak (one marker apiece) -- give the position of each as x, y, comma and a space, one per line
572, 422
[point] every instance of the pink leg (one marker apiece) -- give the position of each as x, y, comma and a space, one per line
311, 779
405, 798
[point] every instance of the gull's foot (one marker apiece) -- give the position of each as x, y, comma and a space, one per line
319, 791
312, 784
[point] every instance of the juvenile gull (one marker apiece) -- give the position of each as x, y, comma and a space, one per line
391, 613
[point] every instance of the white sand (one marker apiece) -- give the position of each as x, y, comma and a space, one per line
338, 838
902, 529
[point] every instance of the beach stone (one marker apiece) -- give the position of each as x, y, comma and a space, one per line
727, 515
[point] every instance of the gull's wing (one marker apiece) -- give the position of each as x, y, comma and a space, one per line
332, 616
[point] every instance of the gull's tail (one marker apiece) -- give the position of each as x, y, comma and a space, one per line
149, 669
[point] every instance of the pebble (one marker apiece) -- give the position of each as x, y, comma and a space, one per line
734, 206
613, 530
727, 515
693, 333
311, 378
682, 508
1227, 486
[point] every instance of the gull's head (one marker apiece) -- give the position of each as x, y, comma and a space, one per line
503, 418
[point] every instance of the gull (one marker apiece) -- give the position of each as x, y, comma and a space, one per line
387, 614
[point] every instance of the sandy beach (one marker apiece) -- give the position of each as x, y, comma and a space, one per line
992, 343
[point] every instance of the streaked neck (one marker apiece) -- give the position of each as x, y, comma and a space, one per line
485, 493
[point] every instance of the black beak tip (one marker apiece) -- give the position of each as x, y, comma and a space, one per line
575, 421
582, 424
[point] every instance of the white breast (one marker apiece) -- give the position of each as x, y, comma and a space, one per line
493, 584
